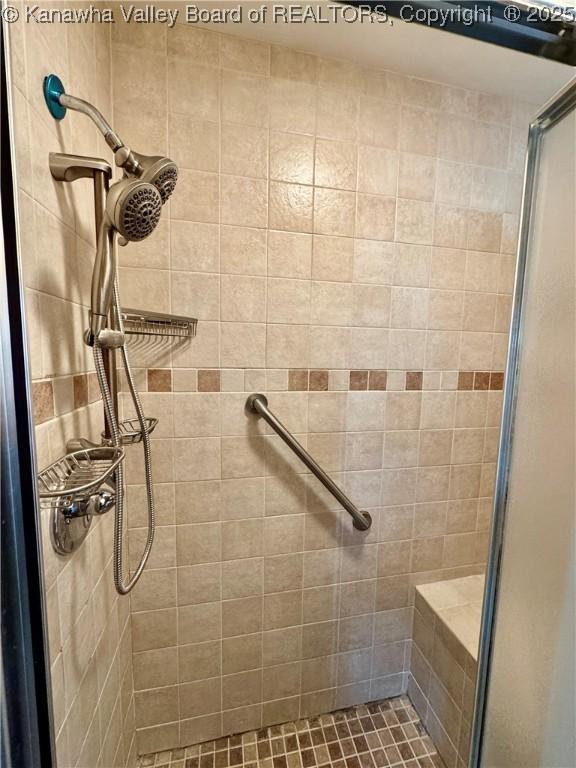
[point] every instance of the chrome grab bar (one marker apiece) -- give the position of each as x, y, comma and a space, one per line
257, 403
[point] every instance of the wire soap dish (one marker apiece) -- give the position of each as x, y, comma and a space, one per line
138, 322
130, 432
74, 488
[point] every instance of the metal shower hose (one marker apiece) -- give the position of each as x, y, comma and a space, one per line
112, 419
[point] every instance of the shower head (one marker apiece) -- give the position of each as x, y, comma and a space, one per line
157, 170
160, 171
133, 209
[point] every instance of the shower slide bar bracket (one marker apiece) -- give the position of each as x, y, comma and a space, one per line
257, 403
76, 487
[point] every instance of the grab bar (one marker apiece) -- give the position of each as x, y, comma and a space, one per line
257, 403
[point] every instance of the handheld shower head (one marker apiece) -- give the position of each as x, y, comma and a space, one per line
134, 206
133, 209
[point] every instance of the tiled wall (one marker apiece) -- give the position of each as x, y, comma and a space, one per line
88, 625
346, 238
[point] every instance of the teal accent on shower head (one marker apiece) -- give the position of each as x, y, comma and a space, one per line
53, 89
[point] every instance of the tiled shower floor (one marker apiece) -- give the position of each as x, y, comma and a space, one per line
376, 735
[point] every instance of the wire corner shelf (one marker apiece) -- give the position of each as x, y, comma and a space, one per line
138, 322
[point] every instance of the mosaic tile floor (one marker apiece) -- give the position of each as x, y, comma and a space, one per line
377, 735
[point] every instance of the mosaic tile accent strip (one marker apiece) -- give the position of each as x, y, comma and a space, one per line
378, 735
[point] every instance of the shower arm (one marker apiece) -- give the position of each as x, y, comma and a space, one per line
58, 101
123, 155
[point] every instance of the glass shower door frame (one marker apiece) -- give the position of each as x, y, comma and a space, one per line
555, 110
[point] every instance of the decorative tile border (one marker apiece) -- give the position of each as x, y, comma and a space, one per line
318, 380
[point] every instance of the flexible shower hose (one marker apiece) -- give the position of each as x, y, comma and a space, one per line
112, 420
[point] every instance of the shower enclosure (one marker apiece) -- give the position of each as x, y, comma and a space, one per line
326, 443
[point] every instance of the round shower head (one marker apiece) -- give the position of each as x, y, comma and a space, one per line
160, 171
134, 207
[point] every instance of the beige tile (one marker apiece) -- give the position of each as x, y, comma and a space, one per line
159, 705
242, 616
378, 122
292, 65
242, 689
456, 137
377, 170
244, 201
198, 583
484, 231
417, 177
290, 207
282, 609
479, 311
197, 290
243, 298
340, 74
454, 183
199, 623
291, 157
199, 543
241, 538
242, 578
194, 143
337, 114
242, 250
335, 164
334, 212
156, 589
289, 254
332, 258
288, 301
153, 629
373, 262
283, 572
445, 310
414, 221
243, 653
199, 698
244, 150
194, 246
419, 131
193, 89
281, 645
287, 345
292, 106
375, 217
197, 198
155, 668
245, 55
193, 44
281, 681
450, 227
242, 498
199, 661
244, 99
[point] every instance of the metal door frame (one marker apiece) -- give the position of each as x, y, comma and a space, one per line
26, 721
553, 111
